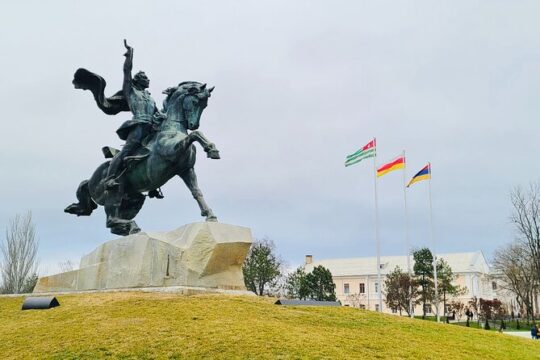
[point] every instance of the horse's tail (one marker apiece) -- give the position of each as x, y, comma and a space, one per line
86, 205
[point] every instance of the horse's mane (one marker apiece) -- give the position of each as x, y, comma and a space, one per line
183, 88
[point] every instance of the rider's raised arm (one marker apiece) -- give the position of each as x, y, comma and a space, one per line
128, 65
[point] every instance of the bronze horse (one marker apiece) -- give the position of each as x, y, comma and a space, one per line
167, 152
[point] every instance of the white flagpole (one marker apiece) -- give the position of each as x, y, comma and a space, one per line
433, 247
377, 239
407, 245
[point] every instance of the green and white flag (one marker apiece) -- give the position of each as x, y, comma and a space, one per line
368, 151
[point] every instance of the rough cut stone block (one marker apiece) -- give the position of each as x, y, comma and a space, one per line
206, 254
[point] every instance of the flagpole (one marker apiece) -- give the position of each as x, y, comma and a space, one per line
377, 239
407, 240
433, 247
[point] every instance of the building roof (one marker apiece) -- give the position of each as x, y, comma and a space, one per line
466, 262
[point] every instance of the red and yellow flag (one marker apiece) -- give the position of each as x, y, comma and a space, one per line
396, 164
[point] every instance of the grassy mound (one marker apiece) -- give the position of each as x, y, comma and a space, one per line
164, 326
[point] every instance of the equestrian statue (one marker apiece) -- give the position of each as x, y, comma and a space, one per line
157, 147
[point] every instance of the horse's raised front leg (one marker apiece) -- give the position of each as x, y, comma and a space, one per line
190, 179
209, 147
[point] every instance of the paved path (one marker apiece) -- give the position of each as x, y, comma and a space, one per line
524, 334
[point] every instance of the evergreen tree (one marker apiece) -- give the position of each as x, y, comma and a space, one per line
423, 269
320, 285
261, 267
445, 279
296, 285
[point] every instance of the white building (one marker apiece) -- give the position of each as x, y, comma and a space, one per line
357, 285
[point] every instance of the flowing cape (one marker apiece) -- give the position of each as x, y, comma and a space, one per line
86, 80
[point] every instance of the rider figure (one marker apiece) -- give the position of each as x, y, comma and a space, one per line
144, 111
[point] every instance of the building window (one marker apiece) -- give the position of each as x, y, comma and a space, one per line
362, 306
345, 288
494, 285
427, 309
376, 307
394, 311
362, 288
376, 287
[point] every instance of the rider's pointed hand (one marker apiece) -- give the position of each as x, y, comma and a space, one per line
129, 49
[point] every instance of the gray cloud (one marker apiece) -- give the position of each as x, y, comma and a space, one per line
298, 86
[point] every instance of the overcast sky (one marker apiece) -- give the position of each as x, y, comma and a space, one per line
299, 85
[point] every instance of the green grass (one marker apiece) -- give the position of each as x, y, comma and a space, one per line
429, 318
166, 326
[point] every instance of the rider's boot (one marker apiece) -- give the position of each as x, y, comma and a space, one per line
112, 181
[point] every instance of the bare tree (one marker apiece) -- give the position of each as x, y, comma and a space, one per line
473, 309
357, 300
401, 291
66, 266
514, 266
458, 308
518, 264
526, 219
19, 254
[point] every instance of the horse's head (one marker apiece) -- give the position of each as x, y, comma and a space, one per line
186, 103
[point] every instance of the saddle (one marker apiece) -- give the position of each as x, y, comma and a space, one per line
109, 152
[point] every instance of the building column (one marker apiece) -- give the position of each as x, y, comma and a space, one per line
368, 295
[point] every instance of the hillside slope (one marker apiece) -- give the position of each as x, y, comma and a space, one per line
153, 325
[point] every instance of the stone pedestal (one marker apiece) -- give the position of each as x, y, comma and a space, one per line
206, 255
